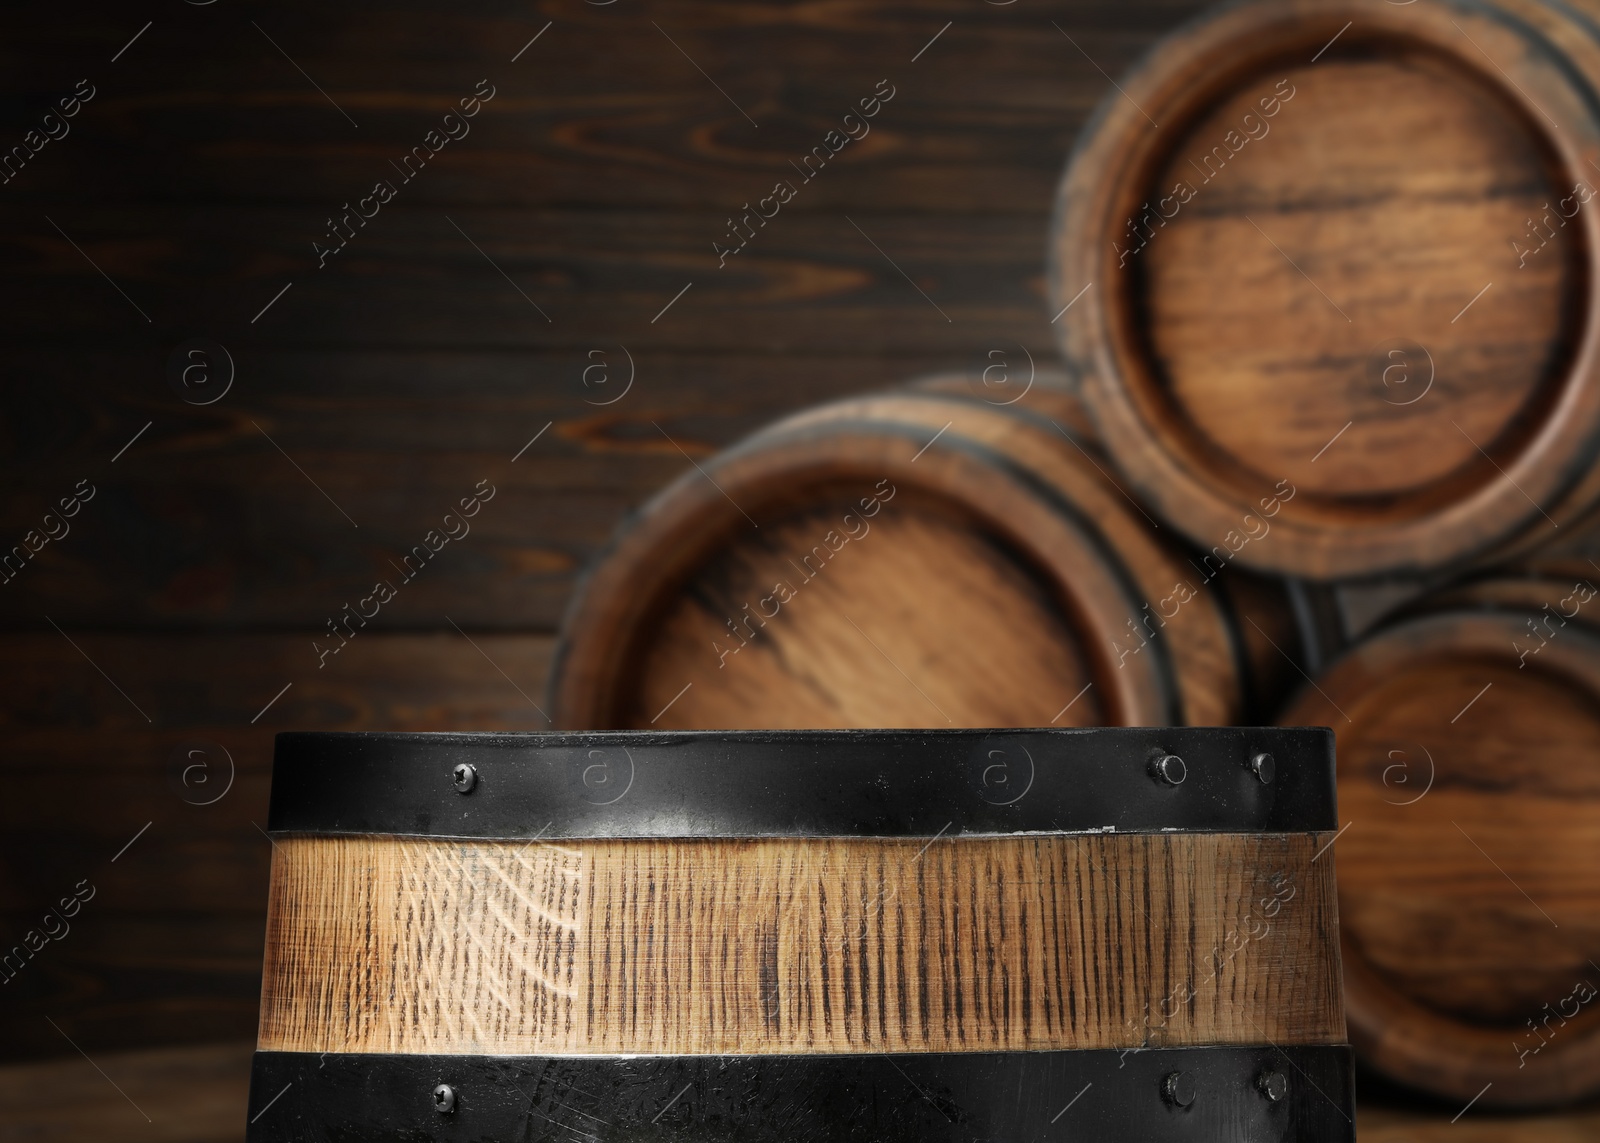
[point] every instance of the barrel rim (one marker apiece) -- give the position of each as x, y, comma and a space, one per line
672, 534
695, 784
1414, 1042
1205, 507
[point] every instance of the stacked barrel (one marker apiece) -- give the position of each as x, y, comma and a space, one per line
1326, 452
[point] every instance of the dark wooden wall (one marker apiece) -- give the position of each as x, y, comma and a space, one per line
378, 391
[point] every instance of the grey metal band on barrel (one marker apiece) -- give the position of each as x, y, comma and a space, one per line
855, 783
1197, 1095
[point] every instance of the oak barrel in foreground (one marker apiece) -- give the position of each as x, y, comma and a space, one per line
1469, 889
918, 557
1346, 248
921, 935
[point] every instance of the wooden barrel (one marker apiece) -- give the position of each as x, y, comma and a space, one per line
1337, 256
803, 935
920, 557
1469, 885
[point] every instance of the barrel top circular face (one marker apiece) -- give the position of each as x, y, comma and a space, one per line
817, 604
1311, 285
1469, 893
919, 557
1342, 253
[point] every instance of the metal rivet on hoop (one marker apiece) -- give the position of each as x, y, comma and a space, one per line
1273, 1085
1169, 768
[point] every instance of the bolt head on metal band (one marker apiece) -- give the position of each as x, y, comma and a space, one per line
1178, 1089
464, 777
1169, 768
1263, 766
444, 1099
1273, 1085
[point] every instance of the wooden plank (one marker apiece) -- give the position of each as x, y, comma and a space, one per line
209, 523
231, 116
65, 712
193, 1094
602, 110
411, 278
168, 948
809, 945
125, 979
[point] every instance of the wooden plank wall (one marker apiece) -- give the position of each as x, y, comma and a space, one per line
372, 394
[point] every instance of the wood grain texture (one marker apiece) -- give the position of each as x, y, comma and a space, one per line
988, 646
1317, 264
1392, 244
192, 1094
205, 165
169, 949
1469, 898
921, 558
602, 112
825, 945
213, 526
815, 280
597, 178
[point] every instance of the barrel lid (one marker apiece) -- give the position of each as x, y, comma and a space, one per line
853, 783
1469, 897
1316, 296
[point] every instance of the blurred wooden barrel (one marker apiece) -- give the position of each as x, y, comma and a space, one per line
928, 556
1469, 869
766, 936
1338, 254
